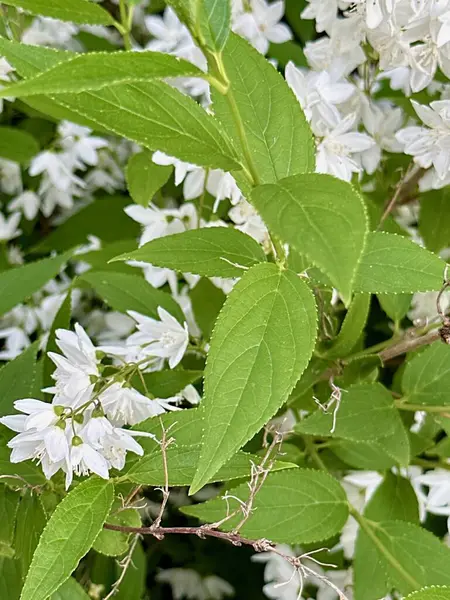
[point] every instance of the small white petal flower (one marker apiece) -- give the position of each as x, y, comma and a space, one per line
165, 338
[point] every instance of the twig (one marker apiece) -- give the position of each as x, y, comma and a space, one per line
335, 399
164, 444
261, 545
124, 565
403, 183
405, 346
259, 474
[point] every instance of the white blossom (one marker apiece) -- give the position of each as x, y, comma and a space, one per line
165, 338
187, 583
125, 405
261, 25
9, 226
28, 202
336, 152
430, 145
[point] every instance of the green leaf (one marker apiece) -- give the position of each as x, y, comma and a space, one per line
185, 9
61, 321
167, 383
115, 543
431, 593
31, 521
393, 264
352, 327
9, 503
186, 428
10, 579
294, 506
29, 60
380, 454
69, 534
130, 292
411, 557
145, 178
214, 22
262, 342
17, 379
321, 217
70, 590
99, 259
207, 301
426, 378
90, 220
16, 145
367, 412
434, 225
139, 112
280, 142
213, 251
77, 11
395, 305
182, 464
393, 499
97, 70
18, 284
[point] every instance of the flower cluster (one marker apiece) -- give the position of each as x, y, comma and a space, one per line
81, 430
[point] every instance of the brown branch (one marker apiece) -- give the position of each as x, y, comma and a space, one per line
261, 545
407, 345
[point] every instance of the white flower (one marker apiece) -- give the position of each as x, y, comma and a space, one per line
318, 95
78, 142
58, 167
49, 32
49, 445
84, 459
125, 405
190, 394
48, 308
157, 222
248, 221
5, 69
437, 500
116, 444
429, 146
168, 32
281, 581
335, 151
28, 202
8, 226
382, 123
165, 338
187, 583
10, 177
75, 370
323, 11
262, 24
15, 341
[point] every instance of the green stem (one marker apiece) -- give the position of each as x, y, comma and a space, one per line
311, 449
431, 464
125, 25
403, 405
365, 525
